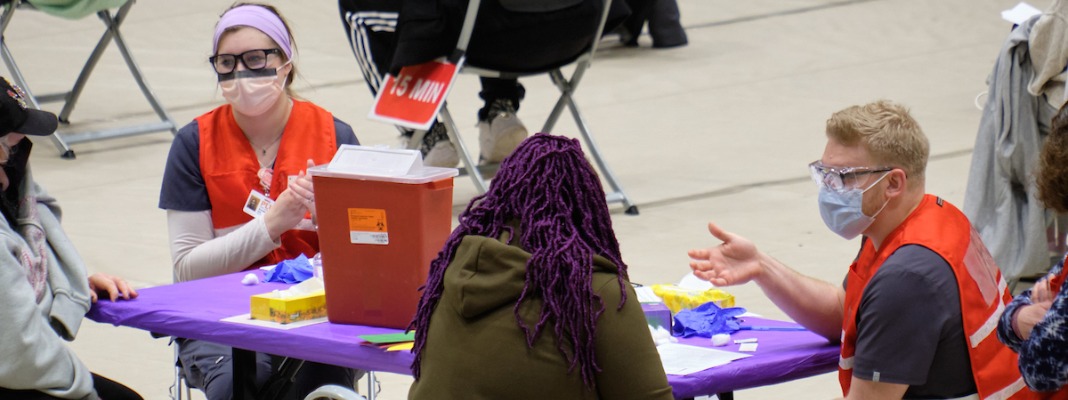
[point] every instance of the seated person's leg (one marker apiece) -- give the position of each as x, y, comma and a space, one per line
370, 26
631, 28
209, 367
665, 26
499, 130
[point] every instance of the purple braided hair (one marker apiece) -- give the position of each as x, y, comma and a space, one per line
554, 193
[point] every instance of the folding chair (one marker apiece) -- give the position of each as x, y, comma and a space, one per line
567, 88
179, 377
112, 23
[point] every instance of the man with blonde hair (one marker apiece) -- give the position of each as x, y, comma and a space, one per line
916, 310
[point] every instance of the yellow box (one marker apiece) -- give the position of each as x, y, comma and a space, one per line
677, 298
269, 307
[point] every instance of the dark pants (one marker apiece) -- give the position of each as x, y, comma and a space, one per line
105, 388
493, 89
209, 367
664, 25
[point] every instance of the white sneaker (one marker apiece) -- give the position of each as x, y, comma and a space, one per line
410, 140
501, 134
435, 145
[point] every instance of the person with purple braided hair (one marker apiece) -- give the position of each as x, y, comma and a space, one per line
531, 292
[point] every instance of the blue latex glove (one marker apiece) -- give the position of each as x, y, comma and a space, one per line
290, 271
706, 320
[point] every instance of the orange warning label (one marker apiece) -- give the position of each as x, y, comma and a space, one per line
367, 220
368, 226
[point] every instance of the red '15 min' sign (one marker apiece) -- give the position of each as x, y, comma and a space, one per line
413, 98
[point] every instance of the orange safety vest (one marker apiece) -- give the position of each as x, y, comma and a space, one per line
229, 167
942, 228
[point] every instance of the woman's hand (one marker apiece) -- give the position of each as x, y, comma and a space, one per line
291, 206
114, 286
1030, 315
303, 187
1041, 293
288, 210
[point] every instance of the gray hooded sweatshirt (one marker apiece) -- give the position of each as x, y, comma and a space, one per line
33, 354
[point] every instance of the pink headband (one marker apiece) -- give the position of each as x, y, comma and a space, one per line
256, 17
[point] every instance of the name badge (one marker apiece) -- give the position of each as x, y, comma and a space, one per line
257, 204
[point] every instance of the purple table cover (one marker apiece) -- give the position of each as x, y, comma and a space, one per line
194, 309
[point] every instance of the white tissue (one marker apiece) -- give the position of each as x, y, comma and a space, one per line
307, 287
250, 279
721, 339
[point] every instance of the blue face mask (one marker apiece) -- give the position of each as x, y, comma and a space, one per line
842, 211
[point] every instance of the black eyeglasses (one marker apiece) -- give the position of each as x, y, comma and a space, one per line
252, 59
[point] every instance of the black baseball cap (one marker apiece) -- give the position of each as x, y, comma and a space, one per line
16, 116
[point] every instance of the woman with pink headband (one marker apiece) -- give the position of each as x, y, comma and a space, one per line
253, 150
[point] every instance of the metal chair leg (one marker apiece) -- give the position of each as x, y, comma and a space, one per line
135, 70
17, 76
566, 90
70, 99
470, 166
371, 380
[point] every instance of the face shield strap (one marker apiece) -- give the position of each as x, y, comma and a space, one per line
248, 73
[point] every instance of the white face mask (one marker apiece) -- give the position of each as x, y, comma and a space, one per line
843, 213
252, 92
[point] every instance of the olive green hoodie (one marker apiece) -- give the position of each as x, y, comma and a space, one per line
476, 350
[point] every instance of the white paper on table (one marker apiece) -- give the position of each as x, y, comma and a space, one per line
247, 320
646, 295
681, 359
1020, 13
748, 347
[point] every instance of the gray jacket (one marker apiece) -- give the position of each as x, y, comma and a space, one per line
1000, 198
33, 354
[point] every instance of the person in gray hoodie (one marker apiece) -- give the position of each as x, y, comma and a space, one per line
47, 289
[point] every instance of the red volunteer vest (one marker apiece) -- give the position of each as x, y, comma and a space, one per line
942, 228
229, 166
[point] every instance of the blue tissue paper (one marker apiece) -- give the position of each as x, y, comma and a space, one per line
296, 270
706, 320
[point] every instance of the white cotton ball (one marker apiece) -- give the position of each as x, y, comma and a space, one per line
250, 279
721, 339
661, 335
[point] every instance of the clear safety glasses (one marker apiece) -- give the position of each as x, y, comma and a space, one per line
841, 179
